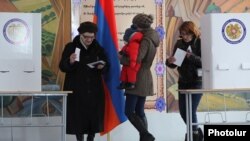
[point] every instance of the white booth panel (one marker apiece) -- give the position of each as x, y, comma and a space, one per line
20, 52
225, 50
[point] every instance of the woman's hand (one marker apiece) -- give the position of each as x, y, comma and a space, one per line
171, 60
100, 66
189, 53
72, 58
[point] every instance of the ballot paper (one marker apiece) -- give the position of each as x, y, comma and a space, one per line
77, 52
94, 64
179, 56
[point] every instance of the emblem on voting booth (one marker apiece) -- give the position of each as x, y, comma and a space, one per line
233, 31
226, 35
16, 31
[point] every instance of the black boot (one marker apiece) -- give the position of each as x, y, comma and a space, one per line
144, 120
201, 136
79, 137
139, 125
197, 135
91, 137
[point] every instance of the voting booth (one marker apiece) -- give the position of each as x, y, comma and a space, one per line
20, 52
225, 46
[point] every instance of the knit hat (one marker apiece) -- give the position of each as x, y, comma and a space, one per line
143, 20
87, 27
129, 32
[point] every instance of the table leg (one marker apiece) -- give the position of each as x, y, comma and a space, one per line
64, 119
189, 116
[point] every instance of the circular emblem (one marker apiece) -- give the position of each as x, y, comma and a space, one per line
16, 31
234, 31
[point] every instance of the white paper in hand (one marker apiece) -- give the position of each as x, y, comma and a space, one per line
77, 52
179, 56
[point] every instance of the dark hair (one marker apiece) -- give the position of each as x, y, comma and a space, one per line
87, 27
143, 20
189, 27
129, 32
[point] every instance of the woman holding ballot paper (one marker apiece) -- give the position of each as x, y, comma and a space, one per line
188, 66
83, 60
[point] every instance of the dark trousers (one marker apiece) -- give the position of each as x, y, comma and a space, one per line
195, 101
135, 104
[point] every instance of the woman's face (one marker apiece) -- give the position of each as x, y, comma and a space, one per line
87, 38
187, 37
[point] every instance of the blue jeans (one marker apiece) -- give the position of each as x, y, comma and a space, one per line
135, 104
195, 101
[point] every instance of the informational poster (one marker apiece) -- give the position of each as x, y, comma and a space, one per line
125, 10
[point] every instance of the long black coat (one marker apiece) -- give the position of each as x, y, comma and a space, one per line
85, 107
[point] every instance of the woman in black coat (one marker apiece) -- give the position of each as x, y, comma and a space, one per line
85, 107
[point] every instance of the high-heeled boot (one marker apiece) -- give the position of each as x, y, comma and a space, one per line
139, 125
201, 135
79, 137
197, 135
144, 120
91, 137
